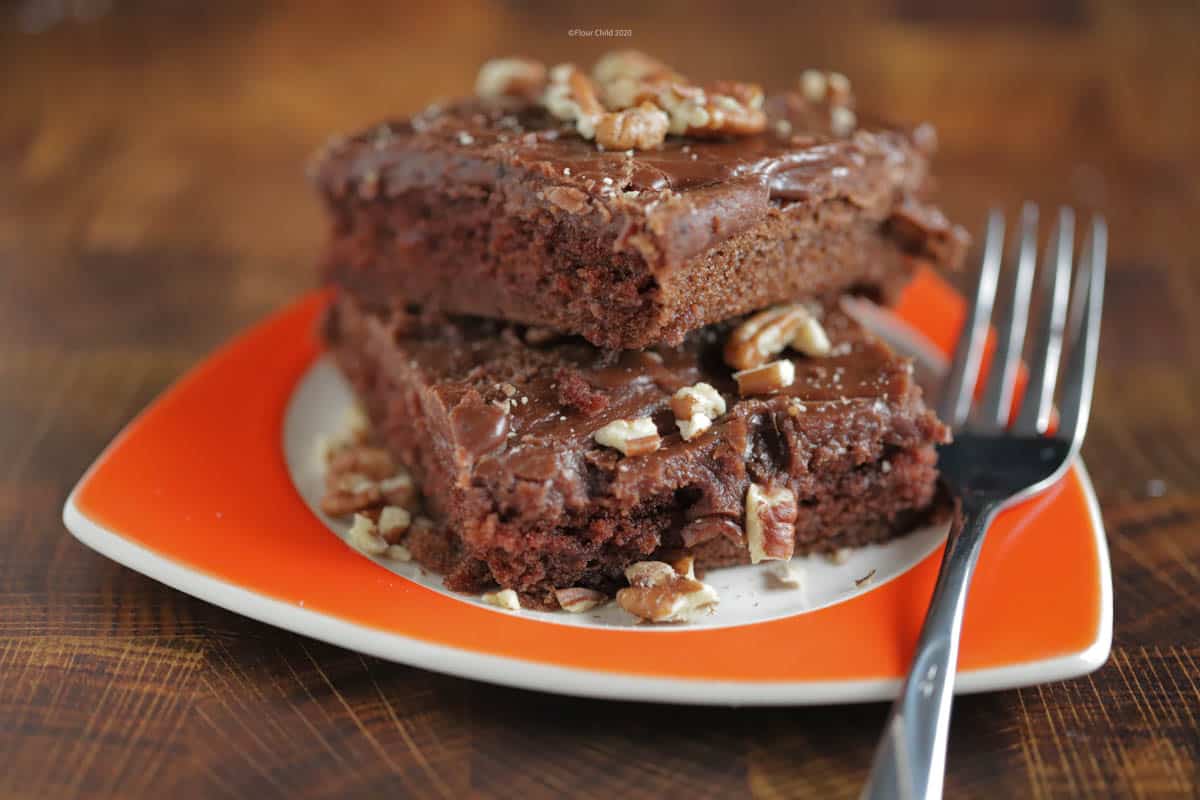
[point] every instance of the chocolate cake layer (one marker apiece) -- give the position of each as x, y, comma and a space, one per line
498, 423
498, 209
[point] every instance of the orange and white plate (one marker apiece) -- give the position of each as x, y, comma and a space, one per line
211, 490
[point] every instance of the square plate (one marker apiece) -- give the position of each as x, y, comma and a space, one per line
206, 493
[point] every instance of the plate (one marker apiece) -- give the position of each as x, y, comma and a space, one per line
212, 491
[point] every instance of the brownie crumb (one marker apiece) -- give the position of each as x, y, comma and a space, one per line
576, 393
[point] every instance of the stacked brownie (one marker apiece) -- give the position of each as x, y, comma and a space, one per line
596, 317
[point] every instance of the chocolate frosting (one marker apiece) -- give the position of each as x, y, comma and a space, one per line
511, 431
672, 202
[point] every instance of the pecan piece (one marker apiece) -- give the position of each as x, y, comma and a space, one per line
571, 96
764, 335
643, 128
511, 77
767, 379
695, 408
633, 437
770, 523
505, 598
658, 593
578, 599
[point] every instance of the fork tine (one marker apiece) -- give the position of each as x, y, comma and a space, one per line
993, 411
1080, 373
1034, 416
959, 385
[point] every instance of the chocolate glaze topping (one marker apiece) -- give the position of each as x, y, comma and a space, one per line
685, 197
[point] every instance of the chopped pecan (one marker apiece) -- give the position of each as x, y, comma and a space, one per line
770, 522
505, 598
643, 128
764, 335
695, 408
364, 536
393, 523
346, 494
658, 593
511, 77
767, 379
633, 437
572, 96
360, 459
578, 599
399, 490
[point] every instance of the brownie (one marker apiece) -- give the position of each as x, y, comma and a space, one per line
498, 423
497, 208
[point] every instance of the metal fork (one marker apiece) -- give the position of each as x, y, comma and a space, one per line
992, 465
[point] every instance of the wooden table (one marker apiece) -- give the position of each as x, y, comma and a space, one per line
152, 204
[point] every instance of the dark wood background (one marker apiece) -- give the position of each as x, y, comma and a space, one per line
152, 204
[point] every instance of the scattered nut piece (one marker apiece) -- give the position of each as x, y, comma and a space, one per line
643, 127
842, 121
684, 565
632, 437
399, 490
695, 408
397, 552
865, 579
505, 598
346, 494
770, 523
840, 91
578, 599
657, 593
355, 424
787, 574
571, 96
840, 556
632, 65
511, 77
767, 379
811, 339
764, 335
393, 523
814, 84
359, 459
364, 536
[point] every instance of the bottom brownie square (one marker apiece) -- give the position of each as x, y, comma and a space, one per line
548, 463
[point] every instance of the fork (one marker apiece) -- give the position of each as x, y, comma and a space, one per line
992, 465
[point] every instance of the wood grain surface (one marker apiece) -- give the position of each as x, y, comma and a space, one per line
152, 203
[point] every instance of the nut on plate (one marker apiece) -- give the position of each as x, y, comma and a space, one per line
504, 598
577, 599
657, 592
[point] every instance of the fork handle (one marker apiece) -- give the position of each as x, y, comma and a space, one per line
910, 761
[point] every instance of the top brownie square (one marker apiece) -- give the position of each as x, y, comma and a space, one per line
716, 204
